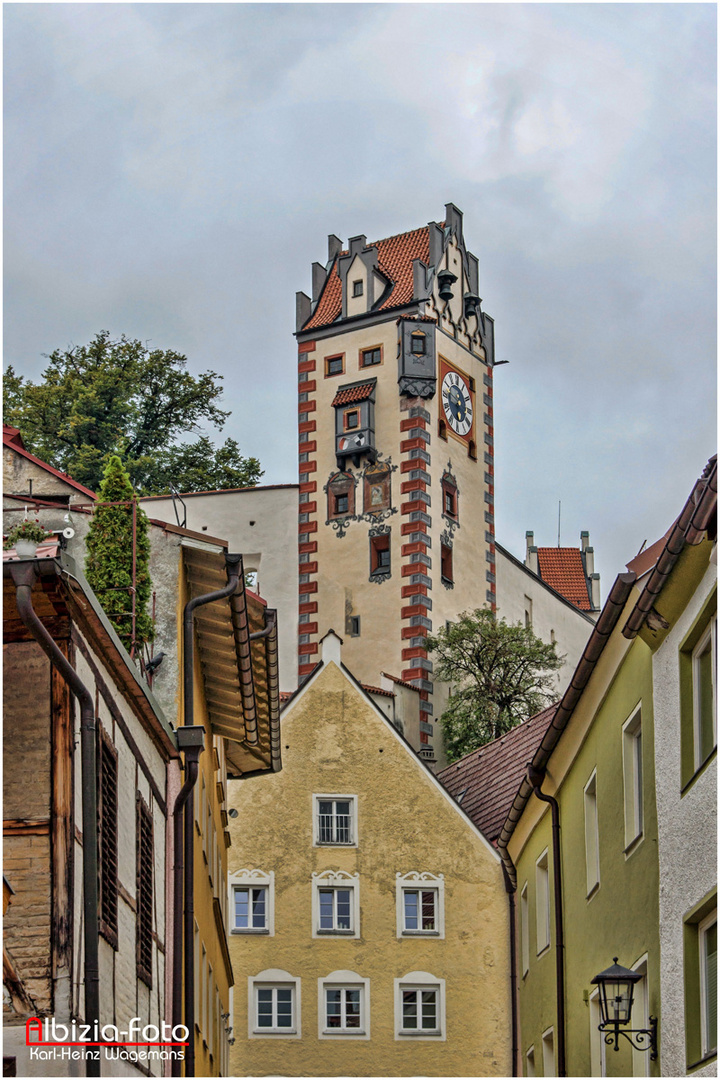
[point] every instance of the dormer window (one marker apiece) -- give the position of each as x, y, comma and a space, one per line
417, 344
357, 287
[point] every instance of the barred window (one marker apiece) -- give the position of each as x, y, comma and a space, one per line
107, 819
144, 919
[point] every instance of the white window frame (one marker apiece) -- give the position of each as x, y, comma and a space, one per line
548, 1051
344, 980
525, 930
598, 1063
420, 881
336, 879
542, 902
710, 634
703, 927
592, 836
420, 981
273, 978
253, 879
641, 1016
352, 799
530, 1062
633, 784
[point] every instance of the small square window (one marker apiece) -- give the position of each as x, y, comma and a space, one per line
357, 288
417, 344
335, 365
351, 419
369, 357
335, 820
354, 626
335, 910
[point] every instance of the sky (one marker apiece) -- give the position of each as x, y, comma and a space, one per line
172, 171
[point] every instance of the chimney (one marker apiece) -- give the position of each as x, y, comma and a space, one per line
531, 558
357, 244
303, 309
584, 540
595, 591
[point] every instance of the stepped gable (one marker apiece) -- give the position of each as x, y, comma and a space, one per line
395, 262
563, 570
486, 781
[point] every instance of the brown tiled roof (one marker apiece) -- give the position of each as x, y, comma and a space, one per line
377, 690
562, 569
401, 682
395, 259
491, 776
349, 395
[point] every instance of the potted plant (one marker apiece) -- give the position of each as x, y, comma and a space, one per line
25, 538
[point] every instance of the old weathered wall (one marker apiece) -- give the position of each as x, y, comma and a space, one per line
334, 741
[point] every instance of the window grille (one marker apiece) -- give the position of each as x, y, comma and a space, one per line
107, 819
335, 822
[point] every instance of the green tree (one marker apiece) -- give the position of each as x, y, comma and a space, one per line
109, 559
119, 397
499, 675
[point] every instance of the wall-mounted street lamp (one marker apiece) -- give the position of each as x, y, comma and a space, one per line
616, 985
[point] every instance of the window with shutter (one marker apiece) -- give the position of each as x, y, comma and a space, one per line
144, 879
108, 847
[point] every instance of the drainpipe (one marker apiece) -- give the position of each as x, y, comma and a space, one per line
24, 575
510, 890
233, 565
192, 741
536, 777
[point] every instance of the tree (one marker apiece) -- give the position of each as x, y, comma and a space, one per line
500, 675
109, 559
119, 397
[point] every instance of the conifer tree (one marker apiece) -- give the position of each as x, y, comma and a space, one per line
109, 561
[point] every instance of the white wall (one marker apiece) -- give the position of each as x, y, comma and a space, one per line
550, 612
262, 524
687, 835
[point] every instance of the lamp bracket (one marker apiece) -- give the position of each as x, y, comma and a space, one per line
645, 1039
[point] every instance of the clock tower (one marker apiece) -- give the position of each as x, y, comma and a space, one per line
396, 525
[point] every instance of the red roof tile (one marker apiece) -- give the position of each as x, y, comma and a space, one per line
401, 682
486, 781
350, 395
562, 569
395, 260
377, 690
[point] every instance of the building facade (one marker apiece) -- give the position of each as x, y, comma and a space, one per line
369, 931
395, 384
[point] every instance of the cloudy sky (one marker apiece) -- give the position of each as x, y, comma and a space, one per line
172, 170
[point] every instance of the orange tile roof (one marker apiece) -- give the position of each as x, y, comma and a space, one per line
395, 259
486, 781
377, 690
563, 570
350, 395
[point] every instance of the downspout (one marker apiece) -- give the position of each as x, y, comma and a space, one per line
536, 777
23, 575
233, 565
192, 741
510, 890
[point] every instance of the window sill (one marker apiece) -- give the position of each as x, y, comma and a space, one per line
422, 1032
593, 892
248, 930
335, 933
335, 843
420, 933
633, 845
344, 1032
275, 1031
710, 1056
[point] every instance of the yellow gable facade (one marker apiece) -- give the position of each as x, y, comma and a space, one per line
368, 917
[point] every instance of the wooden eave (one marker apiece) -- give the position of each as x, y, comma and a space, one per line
241, 694
61, 597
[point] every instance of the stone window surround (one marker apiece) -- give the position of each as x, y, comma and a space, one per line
416, 881
257, 879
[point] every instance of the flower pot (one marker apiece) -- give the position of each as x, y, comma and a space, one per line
26, 549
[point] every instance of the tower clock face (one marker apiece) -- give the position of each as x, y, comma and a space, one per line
457, 403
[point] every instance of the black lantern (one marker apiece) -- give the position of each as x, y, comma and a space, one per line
616, 986
446, 280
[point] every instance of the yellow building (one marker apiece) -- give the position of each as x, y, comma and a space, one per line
368, 917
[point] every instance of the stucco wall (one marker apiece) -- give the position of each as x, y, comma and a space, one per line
550, 614
261, 523
334, 741
687, 834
